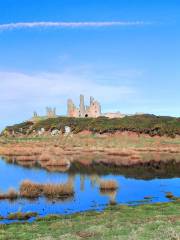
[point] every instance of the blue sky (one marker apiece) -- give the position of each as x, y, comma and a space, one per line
126, 53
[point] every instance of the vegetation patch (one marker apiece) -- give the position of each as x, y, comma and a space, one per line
108, 185
153, 222
171, 196
11, 195
29, 189
146, 124
32, 190
84, 234
21, 216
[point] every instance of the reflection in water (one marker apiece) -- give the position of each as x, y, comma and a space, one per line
86, 180
82, 182
163, 171
152, 167
57, 168
111, 195
95, 180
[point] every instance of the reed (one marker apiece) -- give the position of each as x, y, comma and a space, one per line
19, 150
108, 185
28, 164
29, 189
57, 168
10, 195
61, 162
58, 190
26, 158
44, 157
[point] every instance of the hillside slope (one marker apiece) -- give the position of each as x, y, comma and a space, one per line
147, 124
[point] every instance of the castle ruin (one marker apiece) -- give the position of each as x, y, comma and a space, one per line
51, 112
93, 110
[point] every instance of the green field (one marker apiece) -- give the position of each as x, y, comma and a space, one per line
145, 222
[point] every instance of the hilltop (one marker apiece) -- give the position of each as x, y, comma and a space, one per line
141, 124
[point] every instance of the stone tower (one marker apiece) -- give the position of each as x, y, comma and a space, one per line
81, 106
93, 110
50, 112
70, 107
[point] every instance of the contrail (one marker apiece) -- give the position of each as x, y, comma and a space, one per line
20, 25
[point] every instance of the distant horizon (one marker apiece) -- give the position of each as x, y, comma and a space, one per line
65, 115
124, 53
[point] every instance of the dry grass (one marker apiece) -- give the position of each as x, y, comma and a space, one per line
120, 149
28, 164
57, 168
108, 185
26, 158
29, 189
11, 195
62, 162
19, 150
44, 157
57, 190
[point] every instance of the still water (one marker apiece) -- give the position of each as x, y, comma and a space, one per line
132, 189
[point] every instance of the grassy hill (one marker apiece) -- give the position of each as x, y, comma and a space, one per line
147, 124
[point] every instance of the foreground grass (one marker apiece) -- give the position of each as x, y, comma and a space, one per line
145, 222
94, 140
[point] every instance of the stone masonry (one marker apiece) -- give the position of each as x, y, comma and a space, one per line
93, 110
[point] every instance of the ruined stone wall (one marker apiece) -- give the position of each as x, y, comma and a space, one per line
93, 110
50, 112
114, 115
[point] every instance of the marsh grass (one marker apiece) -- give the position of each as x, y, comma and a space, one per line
21, 215
108, 185
26, 158
57, 190
29, 189
171, 196
61, 162
10, 195
45, 157
117, 150
28, 164
57, 168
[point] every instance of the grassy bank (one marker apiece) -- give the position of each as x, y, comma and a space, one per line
119, 140
145, 222
147, 124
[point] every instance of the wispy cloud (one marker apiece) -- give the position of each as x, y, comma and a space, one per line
24, 92
20, 25
48, 87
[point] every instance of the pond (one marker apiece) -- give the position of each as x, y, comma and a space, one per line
135, 187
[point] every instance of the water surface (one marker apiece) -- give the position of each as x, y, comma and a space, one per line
132, 188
